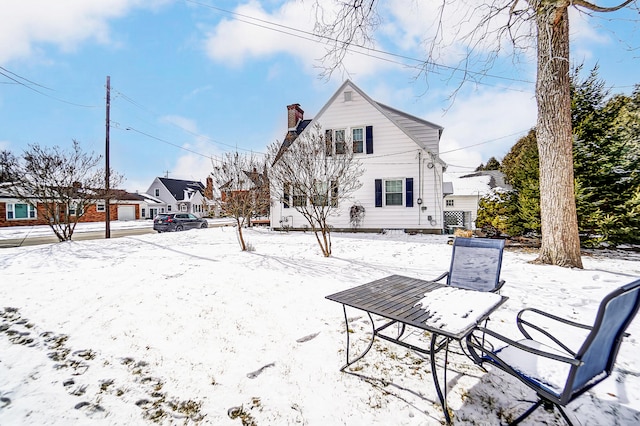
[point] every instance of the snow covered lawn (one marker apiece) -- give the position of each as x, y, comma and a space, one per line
183, 328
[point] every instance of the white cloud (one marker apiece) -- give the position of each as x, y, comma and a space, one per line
193, 161
28, 24
498, 117
233, 42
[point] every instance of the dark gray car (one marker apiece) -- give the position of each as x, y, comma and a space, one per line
167, 222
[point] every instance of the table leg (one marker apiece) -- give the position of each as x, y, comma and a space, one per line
442, 393
373, 335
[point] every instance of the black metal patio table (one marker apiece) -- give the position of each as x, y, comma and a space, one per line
398, 299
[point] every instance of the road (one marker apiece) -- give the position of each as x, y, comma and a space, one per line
91, 235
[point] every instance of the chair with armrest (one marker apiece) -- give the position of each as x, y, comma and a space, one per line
557, 373
475, 264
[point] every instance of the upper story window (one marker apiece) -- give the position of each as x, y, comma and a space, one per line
157, 192
357, 136
338, 137
20, 211
348, 96
449, 203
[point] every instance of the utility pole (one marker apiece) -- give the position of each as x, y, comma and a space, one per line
107, 177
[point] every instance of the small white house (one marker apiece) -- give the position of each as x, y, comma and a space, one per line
179, 196
402, 180
465, 190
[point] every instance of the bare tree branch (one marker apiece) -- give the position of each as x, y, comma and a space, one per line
315, 183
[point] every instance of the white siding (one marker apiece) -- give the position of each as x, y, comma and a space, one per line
395, 156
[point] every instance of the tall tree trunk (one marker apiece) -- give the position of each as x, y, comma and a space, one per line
560, 239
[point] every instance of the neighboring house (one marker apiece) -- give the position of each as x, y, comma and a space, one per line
153, 206
185, 196
464, 193
15, 212
402, 180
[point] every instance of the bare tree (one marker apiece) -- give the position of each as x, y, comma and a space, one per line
59, 185
317, 182
244, 189
8, 163
514, 21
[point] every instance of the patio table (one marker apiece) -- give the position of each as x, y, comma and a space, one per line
442, 310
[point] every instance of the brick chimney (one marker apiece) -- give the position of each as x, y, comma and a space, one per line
208, 190
294, 115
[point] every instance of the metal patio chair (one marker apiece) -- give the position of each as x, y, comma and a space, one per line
556, 373
475, 264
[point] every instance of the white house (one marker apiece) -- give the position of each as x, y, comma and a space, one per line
466, 189
402, 180
179, 196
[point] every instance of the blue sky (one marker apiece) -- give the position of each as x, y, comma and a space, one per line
191, 80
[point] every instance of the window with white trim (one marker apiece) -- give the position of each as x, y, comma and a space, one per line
299, 198
449, 203
16, 211
169, 208
100, 207
357, 136
393, 192
338, 137
157, 192
76, 209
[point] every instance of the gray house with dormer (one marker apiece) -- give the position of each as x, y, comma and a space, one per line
180, 196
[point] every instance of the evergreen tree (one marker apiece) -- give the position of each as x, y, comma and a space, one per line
521, 169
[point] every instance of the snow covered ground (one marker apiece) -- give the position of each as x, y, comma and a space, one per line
183, 328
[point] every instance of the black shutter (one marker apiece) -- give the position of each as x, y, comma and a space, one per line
409, 192
328, 140
286, 195
369, 139
334, 193
378, 192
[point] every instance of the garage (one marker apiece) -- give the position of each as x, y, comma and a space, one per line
126, 212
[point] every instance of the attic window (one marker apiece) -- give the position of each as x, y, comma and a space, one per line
347, 96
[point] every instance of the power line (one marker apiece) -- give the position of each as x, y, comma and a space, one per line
318, 39
5, 72
198, 135
211, 157
485, 142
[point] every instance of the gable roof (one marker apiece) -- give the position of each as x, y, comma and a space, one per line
178, 188
392, 114
291, 136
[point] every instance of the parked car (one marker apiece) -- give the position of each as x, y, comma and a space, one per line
167, 222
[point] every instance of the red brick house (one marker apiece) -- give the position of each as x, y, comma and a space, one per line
123, 206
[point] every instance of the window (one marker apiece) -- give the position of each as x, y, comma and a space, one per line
393, 192
183, 207
143, 212
299, 197
320, 198
347, 96
100, 207
157, 192
340, 144
20, 211
75, 209
449, 203
169, 208
358, 140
